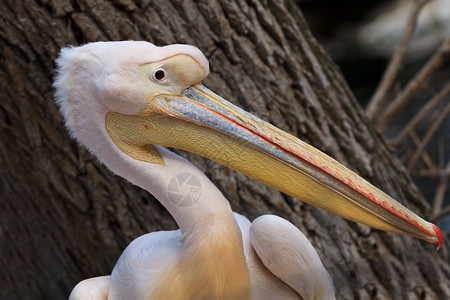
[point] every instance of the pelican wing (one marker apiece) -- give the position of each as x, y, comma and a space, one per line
91, 289
288, 254
140, 268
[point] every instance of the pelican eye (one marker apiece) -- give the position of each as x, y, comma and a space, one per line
159, 75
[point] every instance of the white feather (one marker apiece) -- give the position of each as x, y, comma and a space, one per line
100, 77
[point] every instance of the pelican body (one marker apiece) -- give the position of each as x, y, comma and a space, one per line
127, 101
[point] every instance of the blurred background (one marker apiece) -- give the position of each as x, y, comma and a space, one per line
361, 37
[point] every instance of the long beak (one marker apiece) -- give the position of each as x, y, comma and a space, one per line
202, 122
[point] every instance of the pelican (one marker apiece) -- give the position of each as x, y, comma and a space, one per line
127, 101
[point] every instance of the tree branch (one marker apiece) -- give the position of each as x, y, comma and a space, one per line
379, 97
440, 192
420, 115
434, 174
431, 131
414, 86
426, 158
443, 213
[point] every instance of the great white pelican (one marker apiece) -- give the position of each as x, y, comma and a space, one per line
126, 101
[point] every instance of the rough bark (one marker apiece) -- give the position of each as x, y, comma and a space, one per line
64, 217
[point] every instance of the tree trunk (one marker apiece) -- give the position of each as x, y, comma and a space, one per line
64, 217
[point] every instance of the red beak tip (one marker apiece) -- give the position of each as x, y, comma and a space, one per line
439, 236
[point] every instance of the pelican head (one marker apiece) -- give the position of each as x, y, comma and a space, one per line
90, 83
134, 97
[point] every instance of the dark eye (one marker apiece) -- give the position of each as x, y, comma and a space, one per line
159, 75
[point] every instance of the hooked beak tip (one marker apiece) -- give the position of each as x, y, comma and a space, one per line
439, 236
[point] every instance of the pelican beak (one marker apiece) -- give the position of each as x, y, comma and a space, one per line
202, 122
